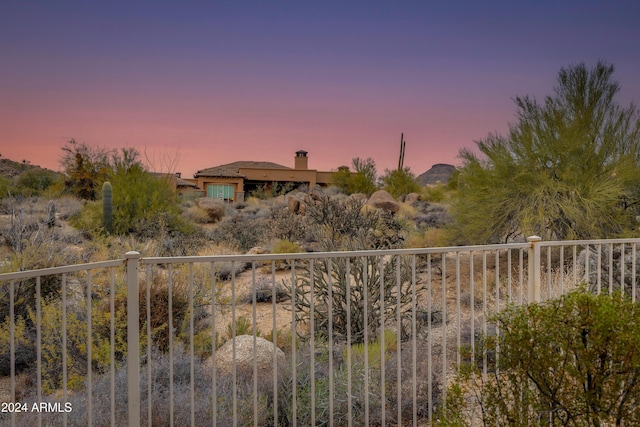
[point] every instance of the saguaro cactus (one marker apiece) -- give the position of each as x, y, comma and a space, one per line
107, 206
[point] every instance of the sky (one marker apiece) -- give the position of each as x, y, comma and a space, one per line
195, 84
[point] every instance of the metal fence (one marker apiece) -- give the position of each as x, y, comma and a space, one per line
361, 338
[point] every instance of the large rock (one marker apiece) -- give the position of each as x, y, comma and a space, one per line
264, 351
293, 204
215, 208
412, 198
384, 201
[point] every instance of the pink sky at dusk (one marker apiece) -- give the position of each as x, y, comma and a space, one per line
207, 84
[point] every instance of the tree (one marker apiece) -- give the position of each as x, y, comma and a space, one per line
85, 167
566, 169
144, 204
570, 361
400, 182
363, 180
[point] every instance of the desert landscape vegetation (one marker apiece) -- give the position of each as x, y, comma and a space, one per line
566, 170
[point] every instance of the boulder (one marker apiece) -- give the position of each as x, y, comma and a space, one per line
257, 250
264, 351
411, 198
293, 204
384, 201
215, 208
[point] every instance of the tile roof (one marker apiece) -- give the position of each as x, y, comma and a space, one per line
232, 170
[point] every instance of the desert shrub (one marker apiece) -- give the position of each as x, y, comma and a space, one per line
340, 310
35, 182
285, 225
435, 193
244, 230
406, 212
282, 339
68, 206
432, 215
362, 180
5, 187
143, 204
568, 361
196, 215
32, 244
160, 415
25, 351
429, 238
360, 395
400, 182
76, 349
264, 290
347, 224
615, 267
286, 247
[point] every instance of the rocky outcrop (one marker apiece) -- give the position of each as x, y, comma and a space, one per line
384, 201
438, 174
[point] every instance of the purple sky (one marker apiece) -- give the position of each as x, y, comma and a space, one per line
197, 84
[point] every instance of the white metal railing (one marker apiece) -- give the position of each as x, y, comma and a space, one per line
417, 308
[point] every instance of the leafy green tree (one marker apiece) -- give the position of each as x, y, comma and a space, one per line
400, 182
572, 361
363, 180
566, 169
86, 168
144, 204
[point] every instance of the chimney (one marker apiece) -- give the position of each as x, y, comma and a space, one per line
301, 160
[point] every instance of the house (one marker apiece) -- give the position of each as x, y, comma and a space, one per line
186, 189
231, 181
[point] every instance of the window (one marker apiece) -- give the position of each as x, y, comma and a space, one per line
220, 191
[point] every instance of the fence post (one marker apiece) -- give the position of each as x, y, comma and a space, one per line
133, 339
534, 268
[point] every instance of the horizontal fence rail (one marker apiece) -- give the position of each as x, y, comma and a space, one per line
335, 338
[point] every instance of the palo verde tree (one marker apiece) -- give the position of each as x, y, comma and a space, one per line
566, 169
362, 180
400, 182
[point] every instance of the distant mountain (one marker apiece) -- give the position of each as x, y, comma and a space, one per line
439, 173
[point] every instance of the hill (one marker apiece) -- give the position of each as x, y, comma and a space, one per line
10, 169
439, 173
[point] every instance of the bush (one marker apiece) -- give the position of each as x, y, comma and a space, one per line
363, 180
326, 282
286, 247
243, 230
36, 181
144, 205
360, 395
569, 361
400, 182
